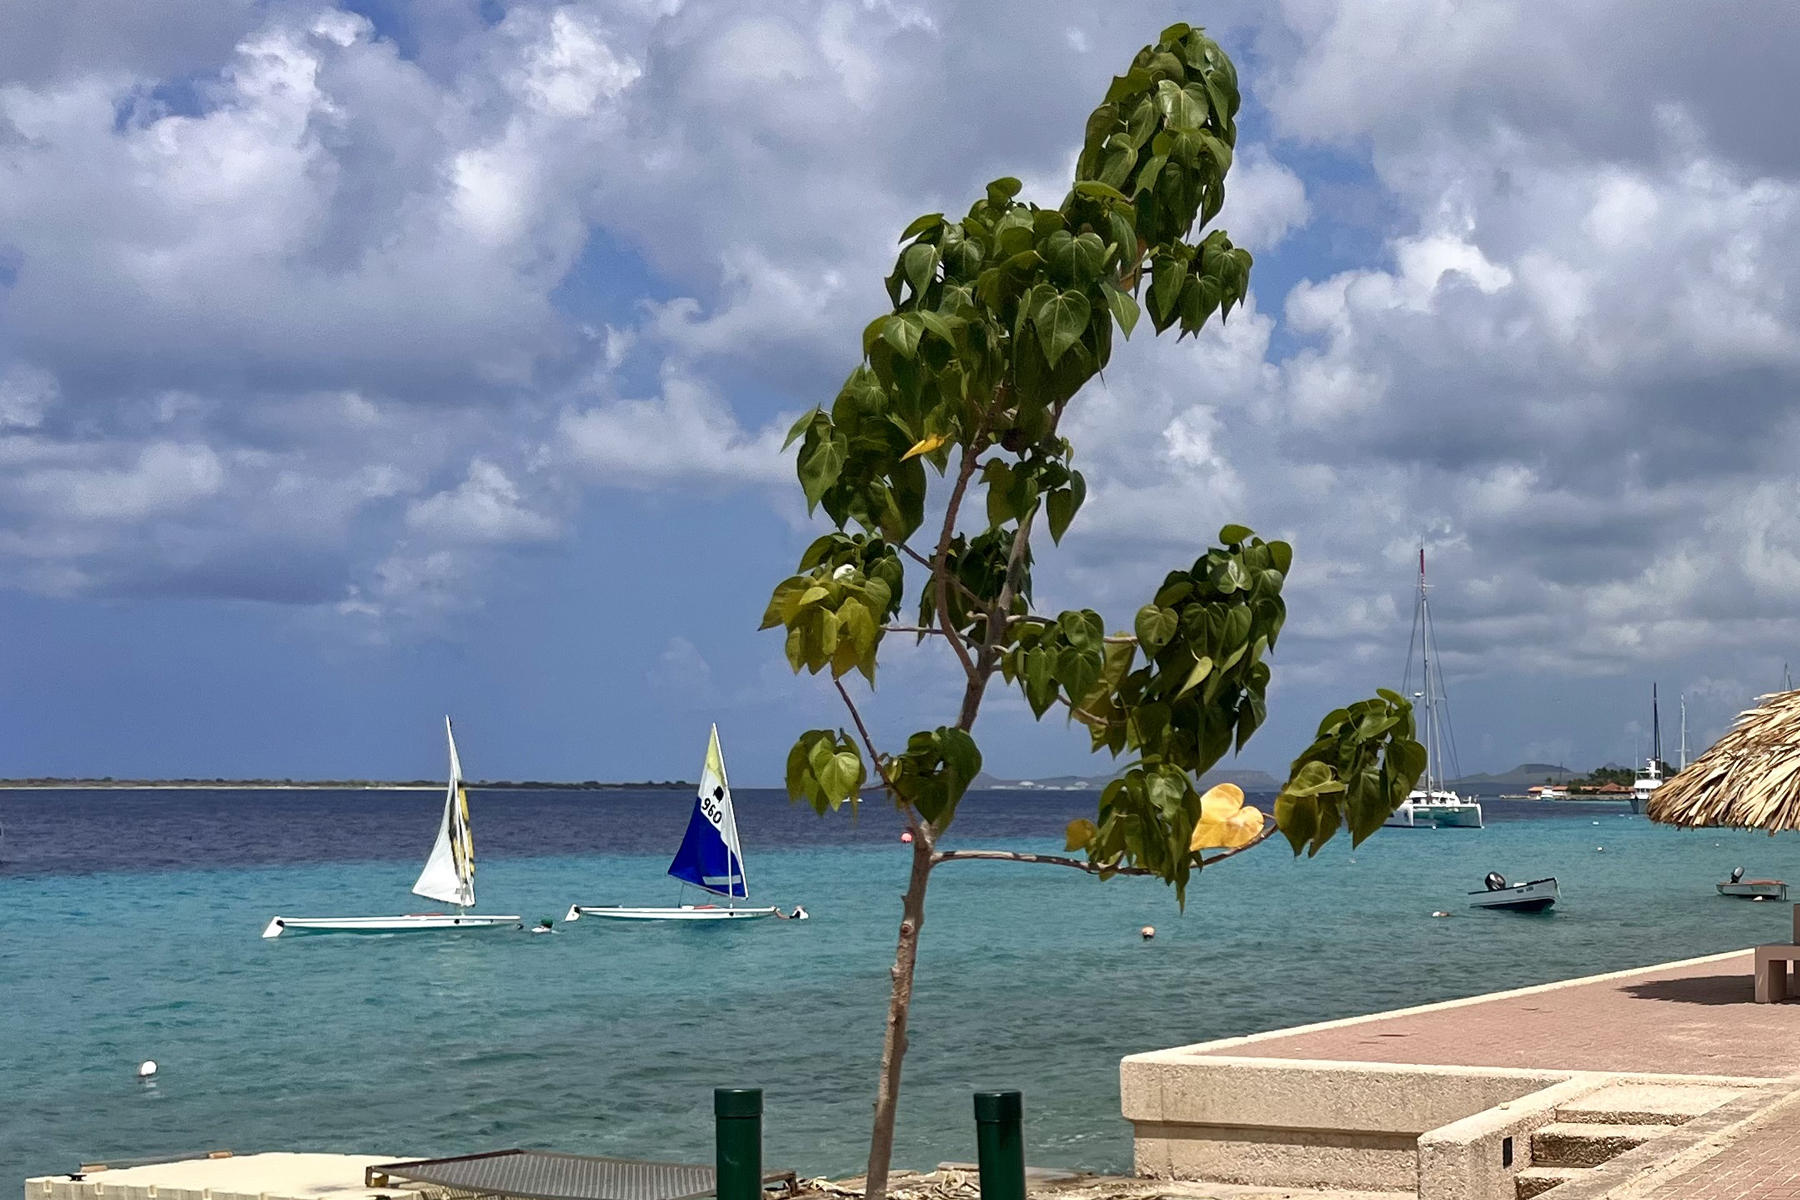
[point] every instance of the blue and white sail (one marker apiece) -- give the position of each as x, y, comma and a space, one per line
710, 857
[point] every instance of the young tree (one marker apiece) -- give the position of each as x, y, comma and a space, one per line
998, 321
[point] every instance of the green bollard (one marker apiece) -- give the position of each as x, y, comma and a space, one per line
1000, 1144
737, 1142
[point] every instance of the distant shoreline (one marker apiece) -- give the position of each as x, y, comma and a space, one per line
329, 785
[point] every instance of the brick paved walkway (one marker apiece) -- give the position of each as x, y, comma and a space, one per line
1762, 1164
1690, 1018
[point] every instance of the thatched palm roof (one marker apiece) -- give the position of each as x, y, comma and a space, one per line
1750, 778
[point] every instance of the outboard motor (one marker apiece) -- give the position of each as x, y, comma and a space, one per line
1737, 874
1495, 881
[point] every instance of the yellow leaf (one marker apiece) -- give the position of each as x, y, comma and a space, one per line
1225, 823
926, 445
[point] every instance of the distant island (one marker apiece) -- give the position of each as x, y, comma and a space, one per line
1602, 783
503, 785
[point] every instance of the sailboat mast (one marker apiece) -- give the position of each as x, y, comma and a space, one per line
1655, 733
1683, 766
1432, 764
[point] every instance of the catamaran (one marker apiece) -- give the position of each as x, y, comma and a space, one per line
710, 859
449, 876
1434, 805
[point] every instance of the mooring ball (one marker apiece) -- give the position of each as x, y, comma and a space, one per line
1147, 932
147, 1068
1440, 913
906, 838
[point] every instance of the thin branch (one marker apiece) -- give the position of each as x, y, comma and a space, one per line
1082, 864
1054, 860
939, 561
874, 755
925, 631
959, 585
1268, 831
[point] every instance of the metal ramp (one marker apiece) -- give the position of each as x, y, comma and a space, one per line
547, 1175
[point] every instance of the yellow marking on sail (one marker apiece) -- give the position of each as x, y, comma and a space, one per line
465, 841
715, 759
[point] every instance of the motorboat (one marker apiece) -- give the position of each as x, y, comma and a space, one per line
1752, 889
1534, 896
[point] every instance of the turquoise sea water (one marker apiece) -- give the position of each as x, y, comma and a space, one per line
608, 1039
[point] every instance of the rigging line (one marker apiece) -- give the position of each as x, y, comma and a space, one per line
1411, 644
1442, 702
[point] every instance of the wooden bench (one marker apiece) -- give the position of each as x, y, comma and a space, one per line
1772, 966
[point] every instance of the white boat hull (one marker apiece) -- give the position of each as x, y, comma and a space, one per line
1534, 896
1418, 813
416, 923
1751, 889
1450, 816
1403, 818
680, 912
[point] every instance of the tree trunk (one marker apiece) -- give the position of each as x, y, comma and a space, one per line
893, 1048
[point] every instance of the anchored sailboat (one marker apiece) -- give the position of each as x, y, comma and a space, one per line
710, 859
1434, 804
449, 876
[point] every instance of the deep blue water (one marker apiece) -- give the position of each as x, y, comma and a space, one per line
129, 926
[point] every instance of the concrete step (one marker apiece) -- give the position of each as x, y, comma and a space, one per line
1646, 1103
1535, 1181
1587, 1143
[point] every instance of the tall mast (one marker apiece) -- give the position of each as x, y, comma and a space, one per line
1655, 731
1432, 765
1683, 766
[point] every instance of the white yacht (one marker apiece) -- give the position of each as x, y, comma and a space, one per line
1433, 804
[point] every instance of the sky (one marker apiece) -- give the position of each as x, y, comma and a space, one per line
368, 363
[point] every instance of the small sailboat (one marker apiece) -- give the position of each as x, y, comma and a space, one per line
710, 858
1752, 889
449, 876
1535, 896
1433, 805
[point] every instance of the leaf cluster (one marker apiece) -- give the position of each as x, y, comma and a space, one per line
836, 609
934, 772
1357, 771
1178, 695
978, 566
1000, 317
825, 769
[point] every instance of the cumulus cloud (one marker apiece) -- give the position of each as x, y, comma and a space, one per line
688, 433
485, 507
295, 309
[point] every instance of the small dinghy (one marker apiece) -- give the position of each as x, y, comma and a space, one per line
1752, 889
710, 859
1534, 896
449, 876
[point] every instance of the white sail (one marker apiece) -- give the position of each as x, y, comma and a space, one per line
449, 873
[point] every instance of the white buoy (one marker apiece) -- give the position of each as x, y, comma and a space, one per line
1147, 932
1440, 913
146, 1069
